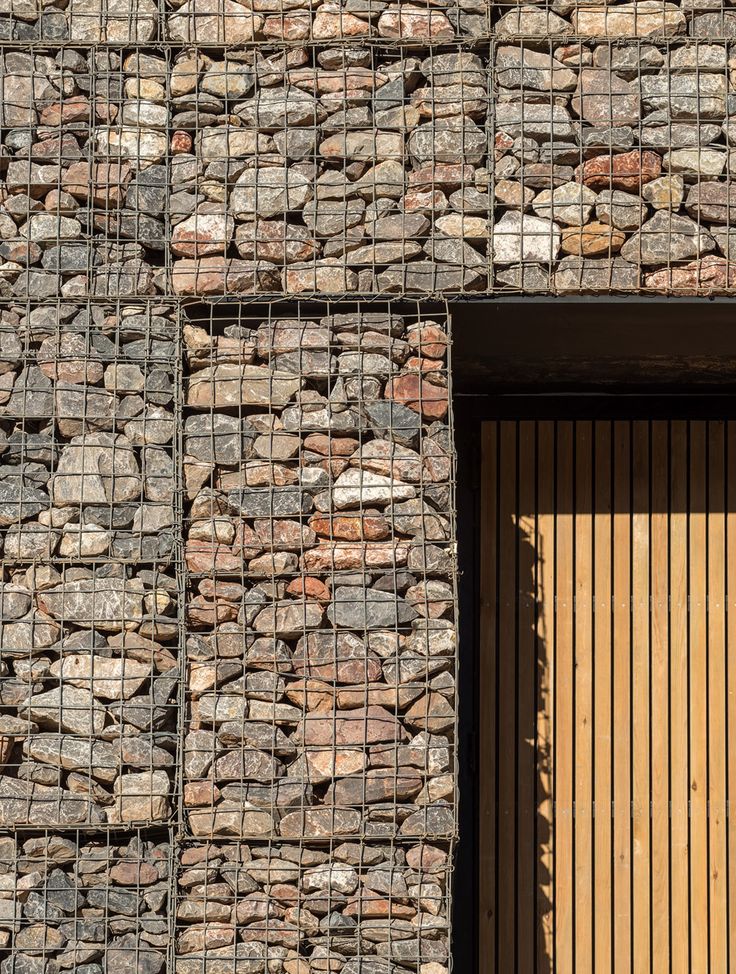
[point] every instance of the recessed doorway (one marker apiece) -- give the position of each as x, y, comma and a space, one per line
597, 756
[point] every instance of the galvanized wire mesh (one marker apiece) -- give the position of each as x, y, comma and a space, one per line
85, 172
90, 606
533, 165
343, 906
319, 169
76, 902
318, 471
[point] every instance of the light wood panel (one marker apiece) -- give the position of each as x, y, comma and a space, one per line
608, 700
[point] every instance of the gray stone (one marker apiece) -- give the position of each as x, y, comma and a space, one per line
667, 237
363, 609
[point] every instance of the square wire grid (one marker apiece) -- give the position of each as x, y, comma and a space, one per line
613, 166
91, 607
77, 902
341, 906
320, 554
86, 175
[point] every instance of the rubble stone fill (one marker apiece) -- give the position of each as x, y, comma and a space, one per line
230, 236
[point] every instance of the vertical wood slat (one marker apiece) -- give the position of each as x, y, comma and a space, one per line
507, 752
613, 626
583, 676
679, 763
545, 647
487, 738
564, 705
660, 694
698, 730
602, 880
526, 656
640, 717
731, 682
622, 698
717, 733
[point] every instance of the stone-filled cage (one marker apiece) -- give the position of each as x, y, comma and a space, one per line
231, 238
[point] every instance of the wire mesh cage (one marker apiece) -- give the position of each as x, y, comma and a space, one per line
645, 19
320, 169
89, 691
613, 166
224, 23
71, 902
88, 430
81, 22
342, 907
318, 470
350, 171
532, 166
85, 171
90, 587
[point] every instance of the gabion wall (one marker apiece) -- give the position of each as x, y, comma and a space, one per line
227, 638
228, 606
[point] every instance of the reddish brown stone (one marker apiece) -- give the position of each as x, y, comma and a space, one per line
104, 183
709, 274
418, 394
205, 613
432, 713
425, 201
288, 27
337, 657
425, 857
200, 793
134, 873
344, 556
206, 556
181, 142
365, 725
370, 906
428, 341
627, 171
416, 364
447, 176
212, 589
283, 535
74, 109
502, 143
216, 275
366, 527
273, 931
320, 822
310, 588
328, 446
312, 695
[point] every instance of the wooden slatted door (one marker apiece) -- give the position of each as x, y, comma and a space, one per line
608, 697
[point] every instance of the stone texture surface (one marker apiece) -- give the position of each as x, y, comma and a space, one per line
225, 166
87, 431
71, 902
620, 151
249, 647
321, 639
84, 198
291, 907
88, 690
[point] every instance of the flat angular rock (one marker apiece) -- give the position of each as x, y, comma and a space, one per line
110, 604
518, 237
232, 385
367, 609
667, 237
222, 22
603, 97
